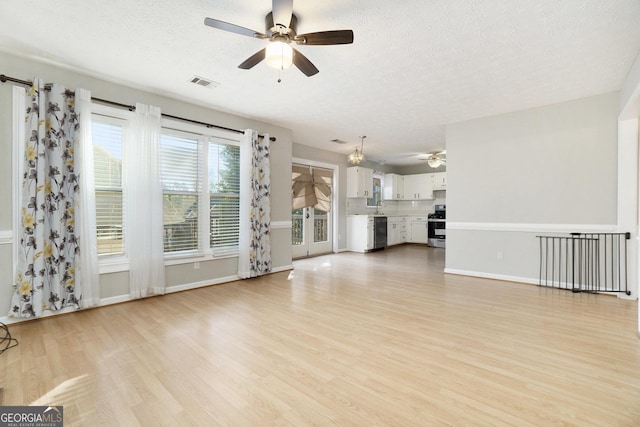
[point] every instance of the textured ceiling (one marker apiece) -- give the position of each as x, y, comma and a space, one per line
415, 65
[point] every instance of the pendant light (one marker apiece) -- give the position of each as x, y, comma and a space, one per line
357, 156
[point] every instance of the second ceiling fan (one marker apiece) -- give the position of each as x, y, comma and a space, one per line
280, 29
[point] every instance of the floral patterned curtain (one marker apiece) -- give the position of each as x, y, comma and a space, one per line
255, 206
48, 249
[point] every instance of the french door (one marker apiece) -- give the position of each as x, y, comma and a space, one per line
311, 232
312, 226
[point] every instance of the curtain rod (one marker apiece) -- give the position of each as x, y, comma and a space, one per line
47, 86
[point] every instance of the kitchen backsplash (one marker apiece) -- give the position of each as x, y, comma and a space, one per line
397, 207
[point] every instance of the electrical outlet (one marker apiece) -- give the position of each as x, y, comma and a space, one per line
499, 256
196, 266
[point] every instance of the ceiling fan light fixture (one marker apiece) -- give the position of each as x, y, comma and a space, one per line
279, 55
434, 162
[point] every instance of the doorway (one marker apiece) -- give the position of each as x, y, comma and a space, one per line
311, 212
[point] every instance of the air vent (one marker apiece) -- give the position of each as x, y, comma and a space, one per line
338, 141
201, 81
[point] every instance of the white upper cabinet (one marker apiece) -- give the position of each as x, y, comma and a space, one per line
418, 187
393, 187
439, 181
359, 182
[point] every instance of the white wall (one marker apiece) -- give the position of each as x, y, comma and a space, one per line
630, 93
513, 176
114, 286
629, 142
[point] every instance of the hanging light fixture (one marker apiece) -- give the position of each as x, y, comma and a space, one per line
357, 156
435, 160
279, 55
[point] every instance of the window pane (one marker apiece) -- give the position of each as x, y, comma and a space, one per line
109, 221
180, 215
107, 154
297, 226
224, 190
224, 168
107, 157
179, 163
377, 190
320, 226
179, 166
225, 220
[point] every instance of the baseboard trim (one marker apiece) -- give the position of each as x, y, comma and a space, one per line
532, 228
493, 276
201, 284
282, 268
114, 300
13, 320
126, 298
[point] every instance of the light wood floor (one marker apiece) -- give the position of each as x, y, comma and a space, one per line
350, 339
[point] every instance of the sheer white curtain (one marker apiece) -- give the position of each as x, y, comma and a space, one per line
85, 205
143, 205
254, 246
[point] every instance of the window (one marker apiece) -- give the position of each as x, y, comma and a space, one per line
201, 191
200, 177
179, 170
224, 195
375, 201
107, 136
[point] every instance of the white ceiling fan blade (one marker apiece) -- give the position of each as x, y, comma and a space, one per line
282, 11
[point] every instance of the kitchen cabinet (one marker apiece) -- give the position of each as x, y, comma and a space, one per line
359, 182
418, 187
396, 230
393, 187
418, 230
439, 181
359, 233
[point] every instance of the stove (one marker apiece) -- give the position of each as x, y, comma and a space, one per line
437, 227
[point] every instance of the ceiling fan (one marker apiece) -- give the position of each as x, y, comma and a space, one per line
281, 26
436, 160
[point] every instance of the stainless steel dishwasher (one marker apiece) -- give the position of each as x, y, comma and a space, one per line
379, 232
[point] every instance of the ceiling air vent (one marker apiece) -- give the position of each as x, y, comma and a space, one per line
201, 81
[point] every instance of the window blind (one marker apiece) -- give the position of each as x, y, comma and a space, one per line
107, 157
179, 168
224, 194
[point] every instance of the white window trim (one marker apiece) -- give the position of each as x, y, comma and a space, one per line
204, 135
119, 263
110, 263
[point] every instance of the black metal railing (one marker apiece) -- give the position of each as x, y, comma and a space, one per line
585, 262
